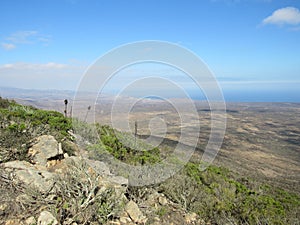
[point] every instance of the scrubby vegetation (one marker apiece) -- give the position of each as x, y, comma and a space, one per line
75, 197
20, 124
217, 195
124, 147
103, 140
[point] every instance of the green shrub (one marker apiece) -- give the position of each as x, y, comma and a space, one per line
130, 152
4, 103
217, 196
20, 124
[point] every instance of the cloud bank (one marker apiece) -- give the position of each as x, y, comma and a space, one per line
50, 75
32, 66
287, 15
24, 37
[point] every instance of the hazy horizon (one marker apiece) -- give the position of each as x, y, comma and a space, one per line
195, 95
251, 47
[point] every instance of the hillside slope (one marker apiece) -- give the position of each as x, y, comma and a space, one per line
46, 177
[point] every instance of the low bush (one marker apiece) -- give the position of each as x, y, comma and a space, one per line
19, 124
76, 196
135, 152
217, 196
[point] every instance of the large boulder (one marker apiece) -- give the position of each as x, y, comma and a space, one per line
30, 175
45, 148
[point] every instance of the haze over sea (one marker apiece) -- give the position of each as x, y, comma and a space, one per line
259, 94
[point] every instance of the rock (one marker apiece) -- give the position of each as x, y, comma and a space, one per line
135, 213
114, 223
191, 218
60, 151
118, 180
99, 167
44, 148
162, 200
65, 164
156, 218
46, 218
152, 200
51, 163
125, 220
30, 175
13, 222
30, 221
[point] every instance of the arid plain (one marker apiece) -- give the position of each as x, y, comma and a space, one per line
262, 140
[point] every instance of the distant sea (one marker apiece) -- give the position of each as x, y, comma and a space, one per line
254, 96
241, 95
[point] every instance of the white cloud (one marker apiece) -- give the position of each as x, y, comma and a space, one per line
50, 75
287, 15
6, 66
34, 66
8, 46
24, 37
52, 65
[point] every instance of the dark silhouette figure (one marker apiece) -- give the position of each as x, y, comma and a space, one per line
66, 107
135, 131
87, 112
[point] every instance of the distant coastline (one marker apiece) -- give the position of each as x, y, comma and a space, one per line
289, 96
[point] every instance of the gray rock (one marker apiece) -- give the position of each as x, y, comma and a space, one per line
74, 160
134, 212
30, 221
191, 218
46, 218
118, 180
162, 200
30, 175
100, 167
125, 220
44, 148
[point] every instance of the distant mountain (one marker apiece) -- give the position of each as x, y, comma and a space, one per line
10, 92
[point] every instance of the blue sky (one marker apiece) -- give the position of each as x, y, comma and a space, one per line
252, 46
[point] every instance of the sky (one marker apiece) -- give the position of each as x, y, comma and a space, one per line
251, 46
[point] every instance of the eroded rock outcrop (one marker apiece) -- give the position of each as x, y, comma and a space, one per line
44, 149
76, 174
30, 175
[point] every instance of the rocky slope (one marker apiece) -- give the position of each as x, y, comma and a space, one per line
48, 175
49, 171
